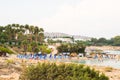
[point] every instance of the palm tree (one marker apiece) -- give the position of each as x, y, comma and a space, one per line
41, 30
36, 31
31, 30
21, 26
20, 36
25, 43
1, 29
22, 29
13, 25
41, 35
26, 27
8, 30
3, 37
16, 33
34, 45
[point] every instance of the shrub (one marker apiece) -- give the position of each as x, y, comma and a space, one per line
60, 72
5, 50
44, 49
10, 61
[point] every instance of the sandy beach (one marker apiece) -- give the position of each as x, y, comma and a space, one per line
11, 71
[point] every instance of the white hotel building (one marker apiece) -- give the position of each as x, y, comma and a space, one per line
64, 37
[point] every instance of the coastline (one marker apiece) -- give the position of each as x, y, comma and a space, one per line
104, 47
113, 74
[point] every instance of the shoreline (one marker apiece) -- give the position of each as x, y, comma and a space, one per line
113, 74
104, 47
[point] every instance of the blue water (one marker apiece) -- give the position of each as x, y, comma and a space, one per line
107, 63
112, 52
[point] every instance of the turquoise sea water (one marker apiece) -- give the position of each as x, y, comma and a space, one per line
112, 52
105, 62
108, 63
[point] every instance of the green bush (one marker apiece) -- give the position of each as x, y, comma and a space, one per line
5, 50
10, 61
61, 72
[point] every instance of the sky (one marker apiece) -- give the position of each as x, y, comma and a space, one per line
93, 18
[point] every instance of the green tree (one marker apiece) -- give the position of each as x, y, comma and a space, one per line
41, 35
116, 41
29, 49
36, 31
31, 30
63, 48
25, 45
94, 41
3, 37
34, 45
44, 49
4, 50
36, 50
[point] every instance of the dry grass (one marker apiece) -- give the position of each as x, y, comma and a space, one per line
108, 69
